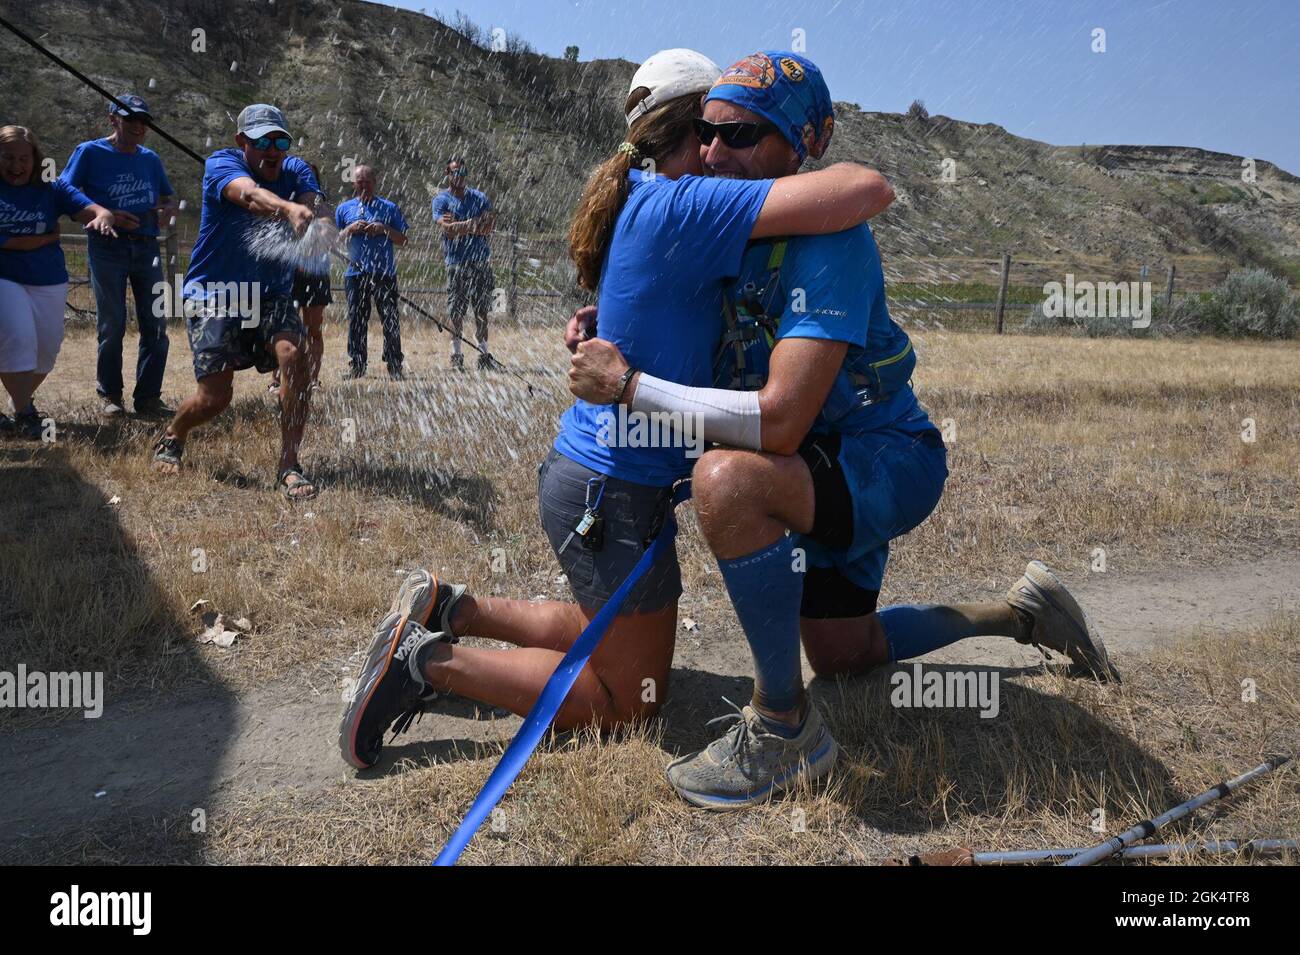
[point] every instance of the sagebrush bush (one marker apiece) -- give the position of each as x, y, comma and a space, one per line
1251, 303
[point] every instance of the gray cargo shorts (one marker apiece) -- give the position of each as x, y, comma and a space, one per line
633, 515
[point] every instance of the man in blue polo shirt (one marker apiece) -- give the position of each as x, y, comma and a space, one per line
372, 227
239, 293
466, 218
121, 174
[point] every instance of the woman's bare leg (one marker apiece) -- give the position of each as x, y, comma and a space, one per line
626, 679
21, 385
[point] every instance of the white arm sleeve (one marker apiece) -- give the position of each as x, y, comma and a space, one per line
725, 416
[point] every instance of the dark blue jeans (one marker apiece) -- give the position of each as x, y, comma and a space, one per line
382, 289
115, 263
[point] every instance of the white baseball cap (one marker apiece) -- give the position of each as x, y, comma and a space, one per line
670, 74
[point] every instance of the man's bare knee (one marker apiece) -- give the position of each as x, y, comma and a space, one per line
718, 484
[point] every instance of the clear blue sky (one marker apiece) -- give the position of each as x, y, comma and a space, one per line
1219, 74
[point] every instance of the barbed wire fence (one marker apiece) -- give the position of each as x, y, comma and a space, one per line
535, 282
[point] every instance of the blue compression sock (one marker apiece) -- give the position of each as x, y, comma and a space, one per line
766, 591
914, 630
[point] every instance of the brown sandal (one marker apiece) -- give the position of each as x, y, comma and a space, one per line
287, 486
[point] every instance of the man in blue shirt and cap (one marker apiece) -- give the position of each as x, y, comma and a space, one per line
239, 288
121, 174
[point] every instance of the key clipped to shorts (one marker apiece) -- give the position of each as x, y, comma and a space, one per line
591, 526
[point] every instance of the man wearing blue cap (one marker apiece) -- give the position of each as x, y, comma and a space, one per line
119, 173
238, 300
843, 459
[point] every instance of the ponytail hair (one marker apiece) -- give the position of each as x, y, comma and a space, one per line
653, 136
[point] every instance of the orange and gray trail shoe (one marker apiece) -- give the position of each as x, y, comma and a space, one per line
390, 689
751, 764
427, 600
1059, 622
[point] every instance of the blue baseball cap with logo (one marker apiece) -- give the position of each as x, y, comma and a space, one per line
260, 119
138, 107
788, 90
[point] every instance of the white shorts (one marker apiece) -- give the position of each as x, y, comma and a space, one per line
31, 326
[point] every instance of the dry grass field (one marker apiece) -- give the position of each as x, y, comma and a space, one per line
1059, 447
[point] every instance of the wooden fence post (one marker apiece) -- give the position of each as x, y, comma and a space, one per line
1002, 288
513, 298
1169, 287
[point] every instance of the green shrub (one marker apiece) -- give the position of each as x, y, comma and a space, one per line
1250, 303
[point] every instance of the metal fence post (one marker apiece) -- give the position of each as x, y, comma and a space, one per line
172, 257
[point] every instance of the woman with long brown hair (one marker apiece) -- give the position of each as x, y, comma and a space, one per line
33, 275
657, 240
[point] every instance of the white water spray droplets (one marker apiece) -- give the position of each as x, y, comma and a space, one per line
233, 65
152, 83
207, 143
275, 240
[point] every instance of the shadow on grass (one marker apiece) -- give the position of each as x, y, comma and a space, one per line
911, 769
79, 598
465, 498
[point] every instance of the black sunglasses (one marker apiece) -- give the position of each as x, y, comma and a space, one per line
281, 143
734, 135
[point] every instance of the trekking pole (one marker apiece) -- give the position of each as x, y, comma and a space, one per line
552, 697
1148, 827
35, 45
1252, 847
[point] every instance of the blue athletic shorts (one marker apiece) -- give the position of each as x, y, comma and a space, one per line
869, 489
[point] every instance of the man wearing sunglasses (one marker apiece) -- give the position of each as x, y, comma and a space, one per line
465, 217
239, 306
827, 441
121, 174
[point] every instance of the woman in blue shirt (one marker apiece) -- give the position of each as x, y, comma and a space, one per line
33, 276
667, 237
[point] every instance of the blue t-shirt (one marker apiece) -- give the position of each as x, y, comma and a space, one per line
370, 254
464, 248
133, 182
660, 302
35, 209
221, 252
832, 287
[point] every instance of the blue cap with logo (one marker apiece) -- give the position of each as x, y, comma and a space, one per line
260, 119
137, 106
788, 90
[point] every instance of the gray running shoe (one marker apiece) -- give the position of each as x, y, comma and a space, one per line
422, 596
389, 691
111, 406
750, 764
1059, 622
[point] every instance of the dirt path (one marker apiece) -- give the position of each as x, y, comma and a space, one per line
169, 760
